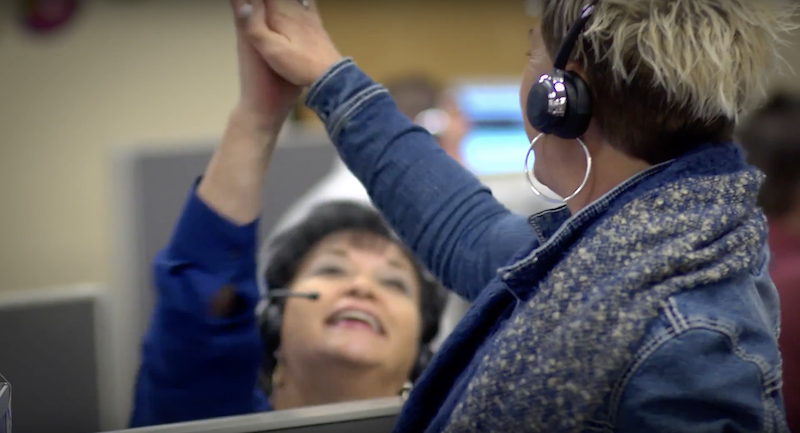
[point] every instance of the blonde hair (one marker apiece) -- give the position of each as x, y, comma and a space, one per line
705, 59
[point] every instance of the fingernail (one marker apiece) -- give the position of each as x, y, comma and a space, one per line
245, 11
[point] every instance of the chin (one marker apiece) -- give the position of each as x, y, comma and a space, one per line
354, 351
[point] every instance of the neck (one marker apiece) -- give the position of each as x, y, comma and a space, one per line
331, 385
610, 168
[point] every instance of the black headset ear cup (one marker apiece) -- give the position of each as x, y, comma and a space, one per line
270, 330
536, 109
271, 320
575, 121
579, 108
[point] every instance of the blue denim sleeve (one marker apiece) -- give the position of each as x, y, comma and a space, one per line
194, 365
679, 388
440, 210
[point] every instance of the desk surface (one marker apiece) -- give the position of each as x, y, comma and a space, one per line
379, 413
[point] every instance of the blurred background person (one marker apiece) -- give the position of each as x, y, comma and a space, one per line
771, 137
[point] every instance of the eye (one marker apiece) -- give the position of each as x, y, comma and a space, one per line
332, 270
395, 284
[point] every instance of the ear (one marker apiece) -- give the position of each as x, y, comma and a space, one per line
278, 373
577, 68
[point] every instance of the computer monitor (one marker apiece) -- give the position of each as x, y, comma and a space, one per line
497, 142
5, 406
373, 416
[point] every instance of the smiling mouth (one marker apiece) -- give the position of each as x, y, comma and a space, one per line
356, 319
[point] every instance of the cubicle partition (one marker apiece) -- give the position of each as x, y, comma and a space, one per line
49, 347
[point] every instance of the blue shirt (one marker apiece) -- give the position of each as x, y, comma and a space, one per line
194, 365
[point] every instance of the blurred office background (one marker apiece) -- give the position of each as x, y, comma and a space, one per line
126, 73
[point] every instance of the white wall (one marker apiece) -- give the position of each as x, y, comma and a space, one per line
124, 71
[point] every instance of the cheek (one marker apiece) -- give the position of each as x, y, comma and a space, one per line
528, 79
408, 323
298, 333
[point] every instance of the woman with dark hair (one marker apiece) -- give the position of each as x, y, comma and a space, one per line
351, 314
334, 254
771, 137
642, 304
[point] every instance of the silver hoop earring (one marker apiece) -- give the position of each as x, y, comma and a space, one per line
531, 176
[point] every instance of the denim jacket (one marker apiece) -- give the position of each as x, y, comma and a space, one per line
707, 360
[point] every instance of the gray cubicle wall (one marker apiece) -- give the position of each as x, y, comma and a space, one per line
149, 186
48, 352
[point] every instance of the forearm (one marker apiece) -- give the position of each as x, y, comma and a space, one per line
234, 178
450, 220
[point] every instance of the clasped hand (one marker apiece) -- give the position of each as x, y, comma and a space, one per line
282, 47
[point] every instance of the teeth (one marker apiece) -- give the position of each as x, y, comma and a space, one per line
361, 317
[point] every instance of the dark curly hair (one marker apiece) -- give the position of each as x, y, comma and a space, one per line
288, 249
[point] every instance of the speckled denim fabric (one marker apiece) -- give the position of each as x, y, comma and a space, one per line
556, 360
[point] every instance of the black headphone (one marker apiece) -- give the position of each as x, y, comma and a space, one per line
271, 320
560, 103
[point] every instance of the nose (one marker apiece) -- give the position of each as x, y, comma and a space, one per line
362, 288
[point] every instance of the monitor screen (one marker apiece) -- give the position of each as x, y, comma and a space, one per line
497, 143
489, 150
487, 102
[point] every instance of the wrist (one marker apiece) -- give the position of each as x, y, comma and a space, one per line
252, 121
325, 65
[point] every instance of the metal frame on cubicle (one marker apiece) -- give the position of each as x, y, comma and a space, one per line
5, 407
376, 416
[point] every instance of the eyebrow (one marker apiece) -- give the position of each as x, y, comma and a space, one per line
397, 264
335, 251
341, 252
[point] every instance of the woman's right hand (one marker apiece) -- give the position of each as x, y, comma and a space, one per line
291, 39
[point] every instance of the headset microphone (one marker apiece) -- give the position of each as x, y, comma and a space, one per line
286, 293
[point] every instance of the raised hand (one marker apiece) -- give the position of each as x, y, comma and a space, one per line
265, 98
291, 39
234, 179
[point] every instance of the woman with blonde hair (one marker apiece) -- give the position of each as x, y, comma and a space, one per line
642, 304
